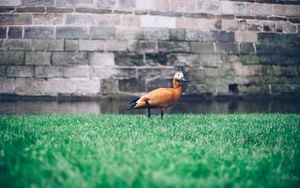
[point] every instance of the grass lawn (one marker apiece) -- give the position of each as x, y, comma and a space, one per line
253, 150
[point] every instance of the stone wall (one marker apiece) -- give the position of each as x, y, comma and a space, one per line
127, 47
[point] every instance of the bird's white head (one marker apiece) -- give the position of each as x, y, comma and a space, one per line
179, 76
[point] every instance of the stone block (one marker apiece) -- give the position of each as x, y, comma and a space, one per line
161, 5
247, 48
2, 32
241, 8
129, 34
91, 45
226, 7
166, 46
79, 19
229, 48
37, 58
10, 2
144, 4
286, 10
106, 3
146, 46
187, 23
71, 32
69, 58
110, 20
130, 21
74, 3
47, 19
132, 85
71, 45
102, 32
48, 72
128, 59
48, 44
38, 32
103, 71
7, 85
20, 71
211, 72
151, 73
17, 44
126, 4
177, 34
208, 60
109, 86
288, 27
184, 60
101, 10
202, 47
157, 21
15, 32
116, 45
77, 71
3, 71
59, 10
156, 34
264, 49
156, 59
103, 59
222, 36
31, 9
6, 9
213, 6
245, 36
125, 73
158, 83
249, 59
182, 5
247, 70
38, 2
261, 9
196, 74
15, 19
230, 25
196, 35
12, 57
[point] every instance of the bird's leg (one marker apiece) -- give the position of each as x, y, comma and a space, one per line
161, 113
148, 106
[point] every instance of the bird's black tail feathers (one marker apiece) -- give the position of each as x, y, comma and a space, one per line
132, 103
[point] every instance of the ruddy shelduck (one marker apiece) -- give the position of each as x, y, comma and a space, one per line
161, 98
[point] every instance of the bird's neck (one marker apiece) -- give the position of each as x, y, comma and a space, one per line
176, 84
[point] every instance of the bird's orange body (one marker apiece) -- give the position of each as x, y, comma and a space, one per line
160, 98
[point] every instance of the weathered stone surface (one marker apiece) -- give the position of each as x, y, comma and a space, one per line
15, 32
102, 32
143, 46
109, 86
69, 58
104, 59
79, 19
106, 3
71, 32
38, 32
128, 59
38, 2
91, 45
59, 10
116, 45
196, 35
221, 36
158, 83
7, 85
157, 21
20, 71
71, 45
48, 72
15, 19
209, 6
182, 5
247, 48
177, 34
7, 9
129, 34
126, 4
48, 44
10, 2
106, 20
228, 48
184, 60
74, 3
249, 59
165, 46
130, 21
246, 36
156, 59
3, 71
2, 32
161, 4
17, 44
241, 8
132, 85
11, 57
31, 9
47, 19
159, 34
37, 58
202, 47
230, 25
78, 71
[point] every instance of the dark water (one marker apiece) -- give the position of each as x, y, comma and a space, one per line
119, 107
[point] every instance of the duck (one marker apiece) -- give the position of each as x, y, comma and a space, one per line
161, 98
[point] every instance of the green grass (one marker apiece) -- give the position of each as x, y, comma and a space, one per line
253, 150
